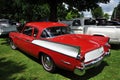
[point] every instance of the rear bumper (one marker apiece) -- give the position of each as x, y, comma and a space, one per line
81, 71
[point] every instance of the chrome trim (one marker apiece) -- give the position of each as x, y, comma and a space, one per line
66, 62
81, 71
97, 61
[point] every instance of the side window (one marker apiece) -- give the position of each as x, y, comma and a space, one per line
28, 31
76, 23
44, 34
35, 32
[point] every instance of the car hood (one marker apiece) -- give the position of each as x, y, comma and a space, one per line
85, 42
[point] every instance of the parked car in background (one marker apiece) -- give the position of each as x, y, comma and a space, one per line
7, 26
105, 22
100, 28
9, 22
56, 46
113, 23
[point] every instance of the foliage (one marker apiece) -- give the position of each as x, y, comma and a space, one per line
97, 12
106, 16
116, 13
61, 12
17, 65
40, 11
69, 15
21, 9
82, 5
72, 15
29, 10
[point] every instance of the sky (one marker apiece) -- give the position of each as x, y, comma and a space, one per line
107, 8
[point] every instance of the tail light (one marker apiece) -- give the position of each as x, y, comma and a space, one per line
107, 45
81, 58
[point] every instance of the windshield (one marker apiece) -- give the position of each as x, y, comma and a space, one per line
55, 31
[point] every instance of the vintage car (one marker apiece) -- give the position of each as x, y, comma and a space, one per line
56, 46
7, 26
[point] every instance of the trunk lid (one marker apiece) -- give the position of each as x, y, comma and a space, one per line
85, 42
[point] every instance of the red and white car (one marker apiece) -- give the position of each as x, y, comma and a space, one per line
56, 46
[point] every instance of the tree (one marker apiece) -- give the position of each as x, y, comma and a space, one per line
5, 8
116, 13
78, 4
69, 15
63, 10
24, 10
97, 12
106, 16
72, 14
28, 9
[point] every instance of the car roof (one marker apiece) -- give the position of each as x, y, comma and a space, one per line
42, 25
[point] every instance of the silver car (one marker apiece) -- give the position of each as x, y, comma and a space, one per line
7, 26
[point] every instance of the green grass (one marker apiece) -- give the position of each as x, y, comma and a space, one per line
16, 65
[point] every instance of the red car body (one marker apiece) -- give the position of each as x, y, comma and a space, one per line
56, 46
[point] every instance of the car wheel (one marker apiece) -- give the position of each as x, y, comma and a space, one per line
12, 45
48, 63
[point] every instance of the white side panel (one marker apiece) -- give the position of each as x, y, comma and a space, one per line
94, 54
61, 48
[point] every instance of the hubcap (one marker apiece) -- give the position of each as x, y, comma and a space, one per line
47, 63
12, 45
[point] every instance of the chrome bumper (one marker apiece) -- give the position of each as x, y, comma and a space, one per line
81, 71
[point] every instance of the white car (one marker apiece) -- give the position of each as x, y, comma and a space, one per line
88, 26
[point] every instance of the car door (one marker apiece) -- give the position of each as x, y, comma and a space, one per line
25, 38
77, 27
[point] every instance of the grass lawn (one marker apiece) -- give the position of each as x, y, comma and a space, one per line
16, 65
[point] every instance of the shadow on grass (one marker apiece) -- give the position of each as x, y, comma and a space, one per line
68, 74
9, 68
115, 46
89, 73
4, 36
30, 57
5, 41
